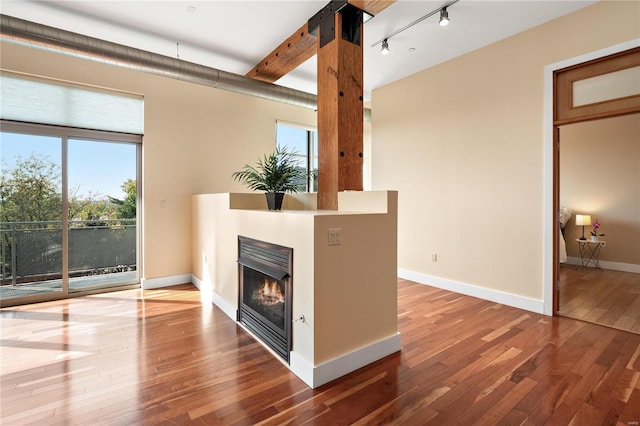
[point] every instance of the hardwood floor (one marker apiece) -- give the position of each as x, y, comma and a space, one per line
606, 297
164, 358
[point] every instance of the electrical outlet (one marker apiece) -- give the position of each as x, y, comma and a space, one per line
434, 257
335, 236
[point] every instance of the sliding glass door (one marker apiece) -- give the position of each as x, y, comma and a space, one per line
102, 194
69, 216
30, 215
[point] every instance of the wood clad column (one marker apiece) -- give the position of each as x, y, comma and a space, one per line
340, 117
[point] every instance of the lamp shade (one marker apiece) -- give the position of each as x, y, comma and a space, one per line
583, 220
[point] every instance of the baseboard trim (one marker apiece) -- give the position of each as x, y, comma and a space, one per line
229, 310
301, 368
196, 282
605, 264
151, 283
318, 375
497, 296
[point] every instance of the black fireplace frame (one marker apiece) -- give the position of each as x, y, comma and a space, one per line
275, 261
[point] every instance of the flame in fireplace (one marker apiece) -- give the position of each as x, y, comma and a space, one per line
269, 293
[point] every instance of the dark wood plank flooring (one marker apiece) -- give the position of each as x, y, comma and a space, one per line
162, 358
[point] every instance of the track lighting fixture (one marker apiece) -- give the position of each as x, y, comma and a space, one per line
444, 21
444, 17
385, 47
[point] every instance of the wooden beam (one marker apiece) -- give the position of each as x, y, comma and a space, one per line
340, 118
300, 46
340, 94
292, 52
372, 7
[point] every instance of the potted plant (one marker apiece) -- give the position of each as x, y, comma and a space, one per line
594, 231
275, 174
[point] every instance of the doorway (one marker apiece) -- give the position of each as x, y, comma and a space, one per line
564, 99
599, 178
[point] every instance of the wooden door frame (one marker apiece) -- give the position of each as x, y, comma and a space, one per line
551, 172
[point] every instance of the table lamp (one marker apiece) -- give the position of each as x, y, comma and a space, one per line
583, 220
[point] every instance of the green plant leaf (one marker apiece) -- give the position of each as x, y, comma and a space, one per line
275, 172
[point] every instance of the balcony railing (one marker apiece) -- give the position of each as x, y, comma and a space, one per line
32, 251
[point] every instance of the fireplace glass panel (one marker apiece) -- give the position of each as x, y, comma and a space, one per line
265, 295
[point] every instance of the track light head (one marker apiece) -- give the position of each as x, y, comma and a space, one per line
444, 17
385, 47
444, 21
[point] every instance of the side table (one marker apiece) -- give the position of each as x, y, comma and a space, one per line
590, 252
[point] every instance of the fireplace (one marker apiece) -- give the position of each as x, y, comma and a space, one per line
265, 287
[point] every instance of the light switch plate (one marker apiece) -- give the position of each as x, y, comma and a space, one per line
335, 236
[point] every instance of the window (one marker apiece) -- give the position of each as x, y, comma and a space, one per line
68, 219
69, 188
303, 142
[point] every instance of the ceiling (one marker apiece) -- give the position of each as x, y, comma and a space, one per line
235, 35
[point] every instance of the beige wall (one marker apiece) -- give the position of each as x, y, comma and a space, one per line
215, 240
355, 292
347, 292
462, 142
600, 176
195, 137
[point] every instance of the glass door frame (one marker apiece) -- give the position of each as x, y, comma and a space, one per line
66, 133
